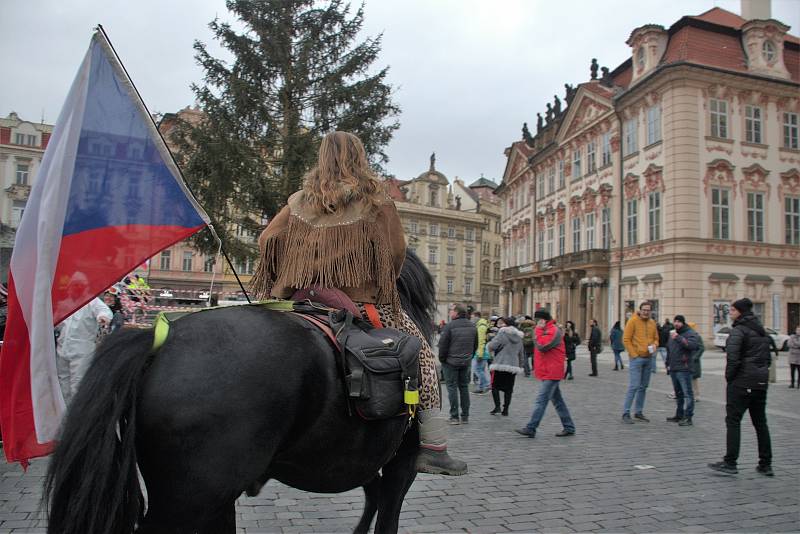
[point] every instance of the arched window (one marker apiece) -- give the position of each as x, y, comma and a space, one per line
768, 51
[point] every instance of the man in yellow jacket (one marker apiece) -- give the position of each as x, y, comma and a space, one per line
641, 341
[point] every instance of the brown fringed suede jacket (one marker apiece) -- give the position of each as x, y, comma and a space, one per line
357, 250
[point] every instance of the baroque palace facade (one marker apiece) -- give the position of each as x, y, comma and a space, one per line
673, 178
455, 230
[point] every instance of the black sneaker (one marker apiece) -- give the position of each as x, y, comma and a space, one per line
641, 418
675, 419
627, 419
464, 420
455, 421
565, 433
724, 468
525, 432
765, 470
686, 421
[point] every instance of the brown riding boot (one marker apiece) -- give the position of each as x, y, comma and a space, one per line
433, 457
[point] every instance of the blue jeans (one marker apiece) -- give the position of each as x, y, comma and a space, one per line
481, 369
618, 359
457, 380
549, 391
639, 379
682, 382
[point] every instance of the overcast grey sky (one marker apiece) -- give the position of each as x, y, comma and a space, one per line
467, 73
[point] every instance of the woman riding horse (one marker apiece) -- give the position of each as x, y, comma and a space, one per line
342, 231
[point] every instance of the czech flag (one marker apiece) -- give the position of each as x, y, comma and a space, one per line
107, 196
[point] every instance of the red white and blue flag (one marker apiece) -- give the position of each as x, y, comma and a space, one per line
107, 196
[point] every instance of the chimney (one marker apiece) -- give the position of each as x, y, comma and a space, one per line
756, 9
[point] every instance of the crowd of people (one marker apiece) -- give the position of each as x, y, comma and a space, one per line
491, 352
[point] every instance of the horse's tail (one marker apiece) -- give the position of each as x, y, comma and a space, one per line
92, 483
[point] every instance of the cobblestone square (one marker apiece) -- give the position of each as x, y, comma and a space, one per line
609, 477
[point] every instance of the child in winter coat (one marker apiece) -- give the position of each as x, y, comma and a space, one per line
508, 362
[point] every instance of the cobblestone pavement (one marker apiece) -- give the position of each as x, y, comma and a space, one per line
609, 477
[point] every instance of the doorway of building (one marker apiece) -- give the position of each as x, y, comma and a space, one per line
793, 316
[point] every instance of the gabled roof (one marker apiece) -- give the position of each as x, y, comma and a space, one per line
591, 98
483, 182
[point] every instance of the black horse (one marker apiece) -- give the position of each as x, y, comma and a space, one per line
236, 396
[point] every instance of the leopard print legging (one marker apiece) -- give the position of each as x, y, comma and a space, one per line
429, 380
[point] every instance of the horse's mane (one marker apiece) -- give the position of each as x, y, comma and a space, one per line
417, 293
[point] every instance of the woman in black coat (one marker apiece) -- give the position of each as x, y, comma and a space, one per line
571, 341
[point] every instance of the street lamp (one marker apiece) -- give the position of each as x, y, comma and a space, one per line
591, 283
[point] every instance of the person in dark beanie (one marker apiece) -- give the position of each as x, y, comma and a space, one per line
681, 345
549, 354
594, 345
508, 349
457, 344
747, 374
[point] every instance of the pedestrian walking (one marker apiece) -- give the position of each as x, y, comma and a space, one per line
458, 343
747, 352
571, 342
640, 338
615, 337
526, 325
794, 358
75, 344
681, 347
594, 344
508, 359
480, 359
549, 353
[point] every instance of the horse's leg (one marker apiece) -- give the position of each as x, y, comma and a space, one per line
398, 475
372, 493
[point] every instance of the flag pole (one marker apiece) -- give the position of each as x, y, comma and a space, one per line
172, 158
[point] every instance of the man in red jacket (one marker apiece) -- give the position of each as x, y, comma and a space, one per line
549, 357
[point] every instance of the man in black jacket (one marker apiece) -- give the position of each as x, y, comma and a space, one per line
457, 344
682, 343
747, 373
594, 345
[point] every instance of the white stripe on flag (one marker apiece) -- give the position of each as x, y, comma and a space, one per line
37, 243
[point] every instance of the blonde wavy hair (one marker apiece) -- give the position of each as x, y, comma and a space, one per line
342, 175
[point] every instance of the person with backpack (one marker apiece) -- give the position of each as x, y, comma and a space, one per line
527, 325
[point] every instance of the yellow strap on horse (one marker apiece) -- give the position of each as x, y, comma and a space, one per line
160, 331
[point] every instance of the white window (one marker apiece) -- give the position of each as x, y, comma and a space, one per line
768, 51
451, 232
434, 229
17, 210
790, 129
561, 177
792, 220
433, 255
719, 118
208, 264
606, 227
653, 124
576, 163
187, 261
654, 215
755, 217
540, 185
166, 256
451, 256
758, 310
752, 124
591, 159
468, 258
640, 58
630, 133
576, 234
562, 239
470, 234
633, 221
550, 232
720, 213
19, 139
413, 227
540, 245
589, 231
30, 140
449, 286
22, 174
606, 143
551, 180
468, 286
